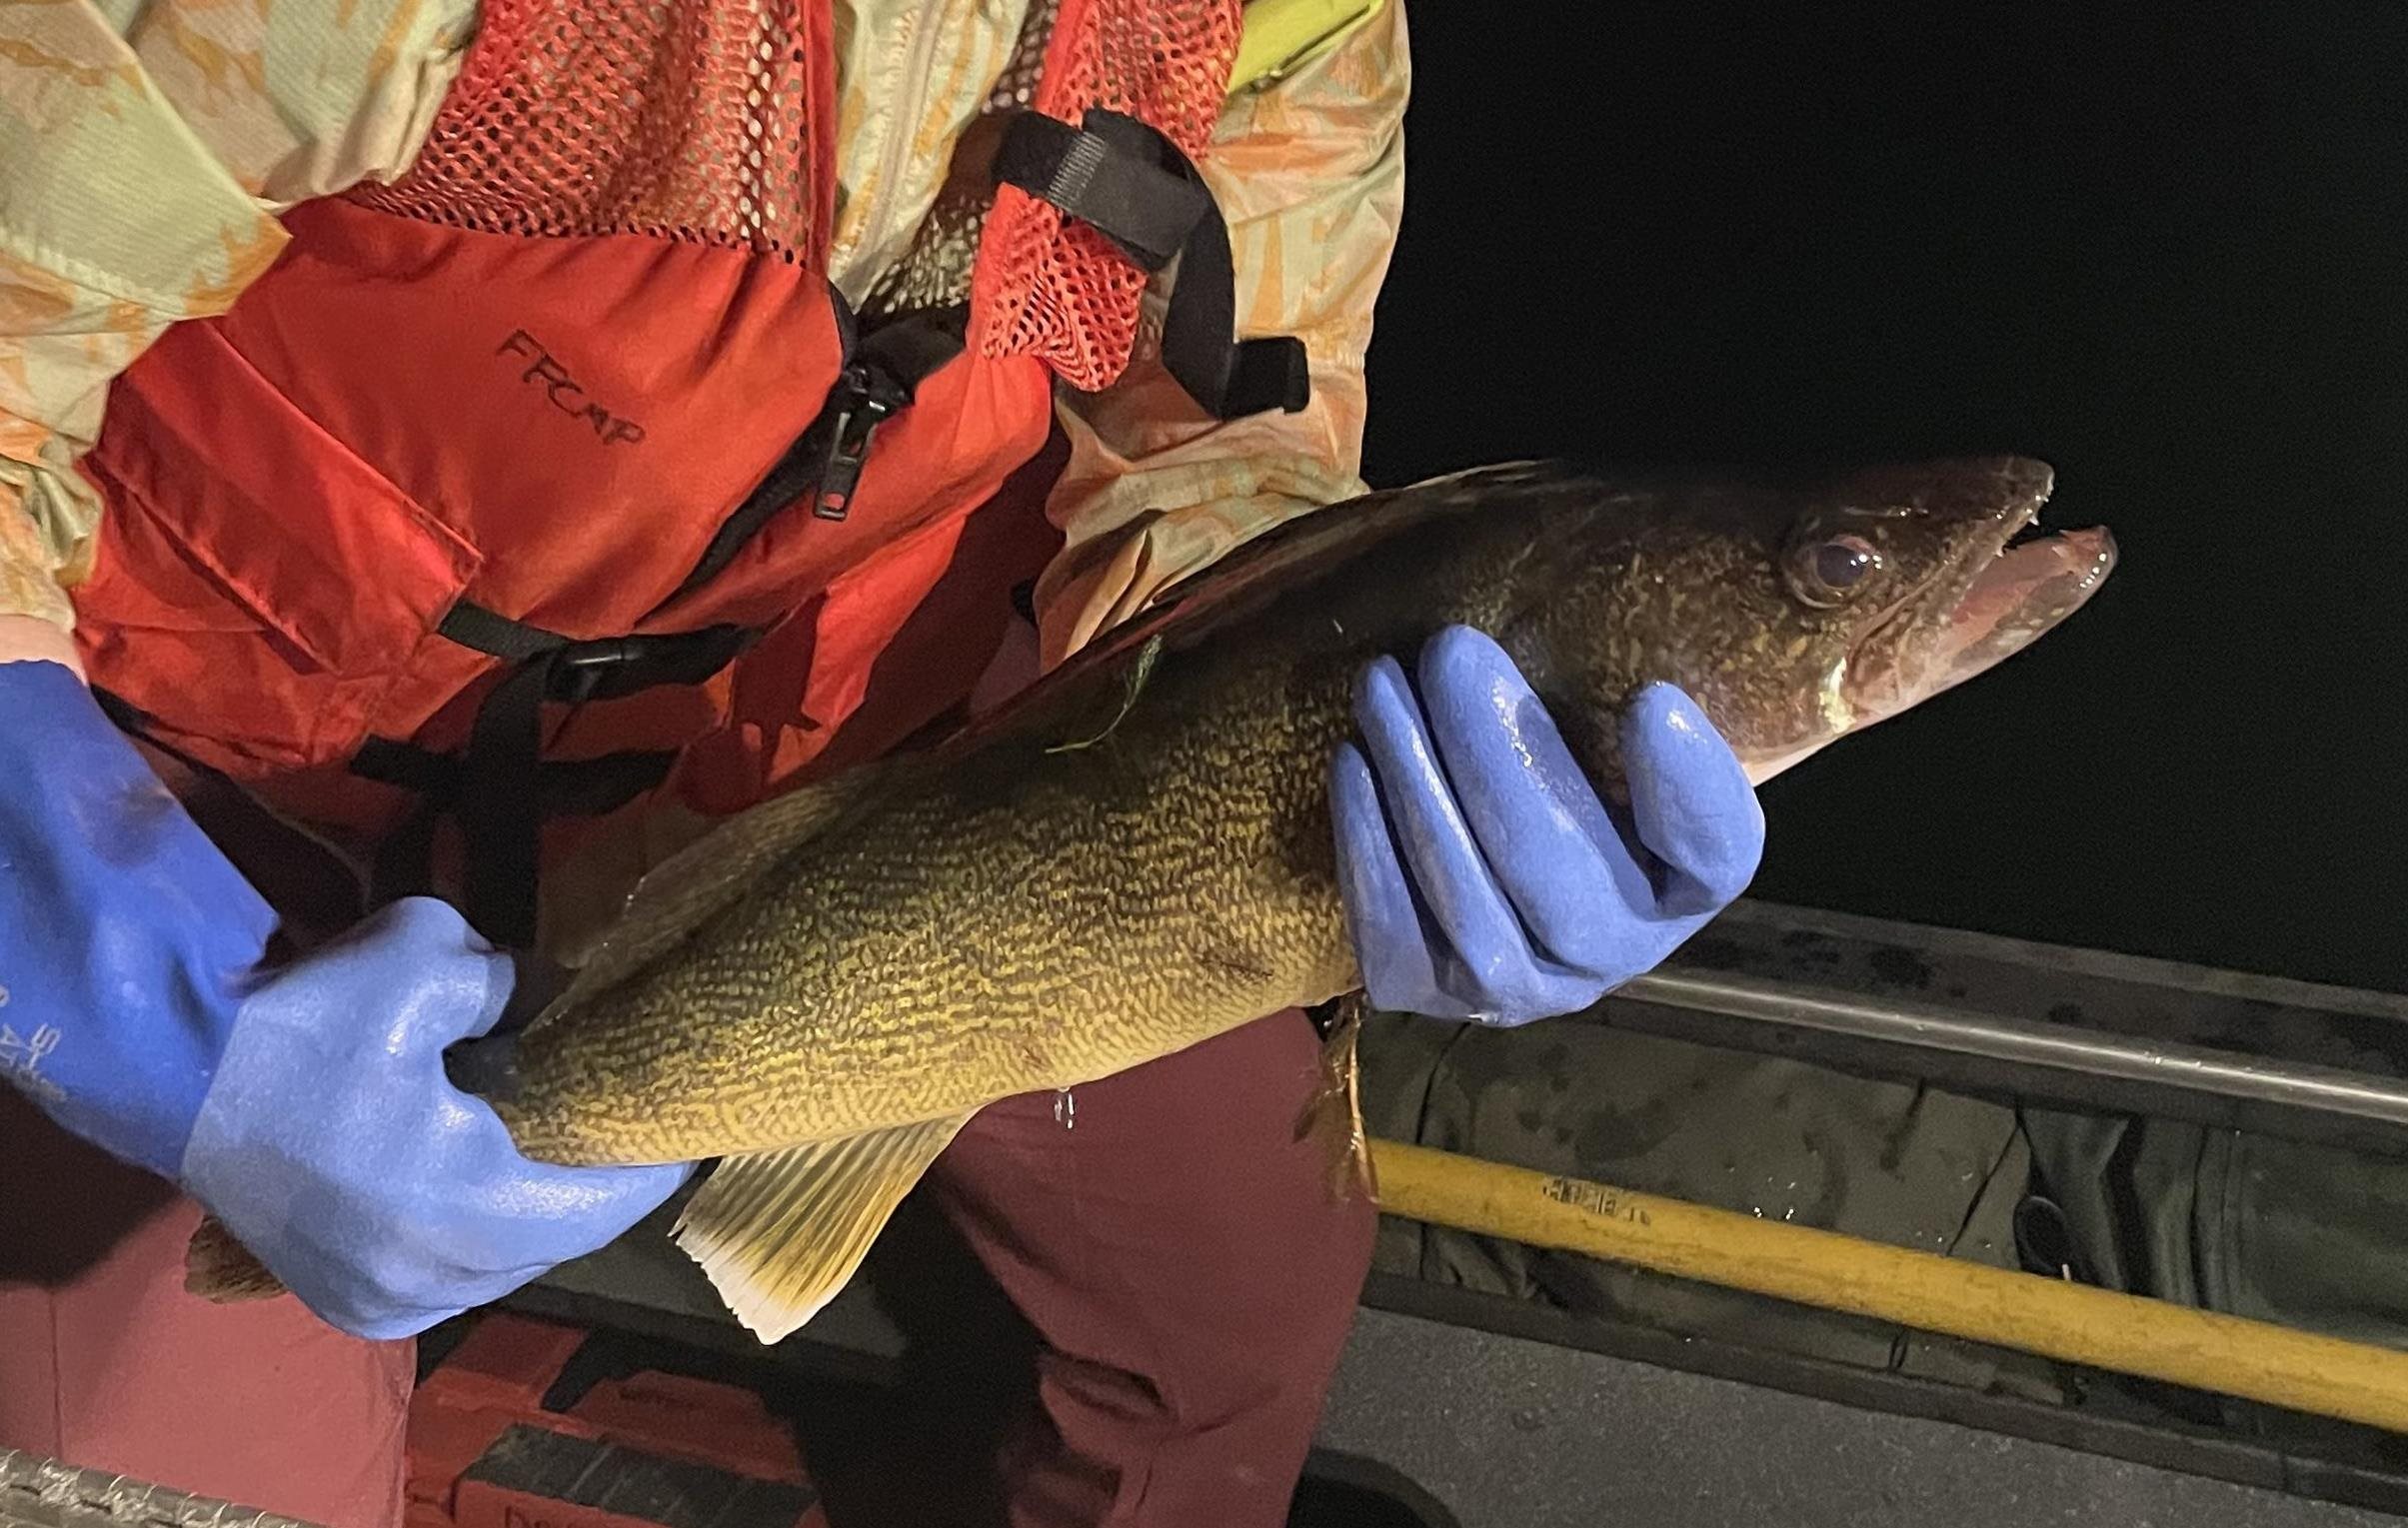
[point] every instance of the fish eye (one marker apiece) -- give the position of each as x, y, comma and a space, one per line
1826, 571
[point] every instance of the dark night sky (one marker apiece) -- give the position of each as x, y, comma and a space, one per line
2169, 258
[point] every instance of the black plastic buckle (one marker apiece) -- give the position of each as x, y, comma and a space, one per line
609, 668
582, 669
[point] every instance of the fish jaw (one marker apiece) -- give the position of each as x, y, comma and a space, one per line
2025, 592
2015, 585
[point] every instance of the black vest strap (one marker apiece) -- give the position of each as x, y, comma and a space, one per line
501, 791
404, 865
600, 667
1109, 176
567, 787
1134, 186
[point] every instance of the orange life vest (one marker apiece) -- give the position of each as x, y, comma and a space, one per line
557, 472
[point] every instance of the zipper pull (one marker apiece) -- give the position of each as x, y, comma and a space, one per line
866, 402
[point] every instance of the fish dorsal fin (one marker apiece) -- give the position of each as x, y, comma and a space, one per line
1088, 688
780, 1232
683, 892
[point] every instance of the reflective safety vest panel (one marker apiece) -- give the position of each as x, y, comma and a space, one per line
557, 472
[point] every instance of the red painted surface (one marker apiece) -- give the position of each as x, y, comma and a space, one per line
496, 1378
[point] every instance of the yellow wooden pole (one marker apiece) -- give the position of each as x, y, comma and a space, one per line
2074, 1323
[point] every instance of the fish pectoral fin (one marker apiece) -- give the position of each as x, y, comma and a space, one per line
780, 1232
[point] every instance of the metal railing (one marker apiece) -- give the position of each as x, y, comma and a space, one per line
2084, 1028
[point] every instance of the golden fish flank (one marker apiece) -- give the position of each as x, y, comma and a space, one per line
824, 988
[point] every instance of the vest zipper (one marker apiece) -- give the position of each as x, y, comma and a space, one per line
864, 398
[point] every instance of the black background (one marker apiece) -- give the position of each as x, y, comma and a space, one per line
2166, 256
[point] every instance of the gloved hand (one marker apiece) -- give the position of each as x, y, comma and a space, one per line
1483, 879
307, 1106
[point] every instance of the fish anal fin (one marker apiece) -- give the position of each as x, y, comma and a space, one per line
780, 1232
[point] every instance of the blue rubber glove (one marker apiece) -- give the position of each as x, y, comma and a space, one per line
1484, 879
305, 1107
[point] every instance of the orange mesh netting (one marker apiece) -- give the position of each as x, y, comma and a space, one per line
1062, 294
702, 120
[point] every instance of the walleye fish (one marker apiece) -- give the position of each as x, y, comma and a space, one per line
1138, 854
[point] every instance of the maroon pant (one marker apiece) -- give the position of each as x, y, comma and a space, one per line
1174, 1250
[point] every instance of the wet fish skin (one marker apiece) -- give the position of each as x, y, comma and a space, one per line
1006, 914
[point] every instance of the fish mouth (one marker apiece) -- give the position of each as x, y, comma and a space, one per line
2017, 582
2037, 578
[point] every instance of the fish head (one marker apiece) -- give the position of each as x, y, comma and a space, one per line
1966, 577
1796, 615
